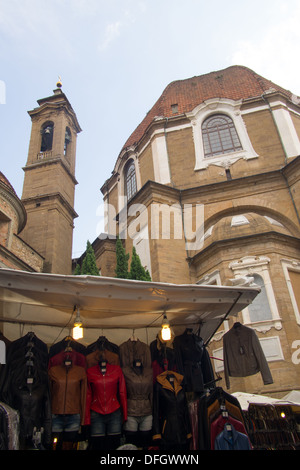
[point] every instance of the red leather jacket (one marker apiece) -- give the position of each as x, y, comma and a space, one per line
105, 392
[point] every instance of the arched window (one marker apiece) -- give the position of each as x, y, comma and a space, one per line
130, 180
67, 140
260, 310
47, 136
219, 135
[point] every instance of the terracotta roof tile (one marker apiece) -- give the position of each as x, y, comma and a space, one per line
235, 82
4, 180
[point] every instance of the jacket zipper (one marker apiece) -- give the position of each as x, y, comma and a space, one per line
104, 393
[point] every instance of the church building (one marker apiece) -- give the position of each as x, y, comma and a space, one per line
207, 190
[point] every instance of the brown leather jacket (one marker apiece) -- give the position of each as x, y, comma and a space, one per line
68, 386
139, 391
132, 350
243, 354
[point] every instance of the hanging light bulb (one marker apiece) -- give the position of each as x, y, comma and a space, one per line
77, 328
165, 329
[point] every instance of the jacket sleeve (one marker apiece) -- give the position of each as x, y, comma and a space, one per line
261, 360
206, 366
83, 394
87, 419
156, 430
226, 361
123, 394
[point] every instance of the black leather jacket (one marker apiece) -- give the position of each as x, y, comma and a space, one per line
171, 424
193, 361
25, 386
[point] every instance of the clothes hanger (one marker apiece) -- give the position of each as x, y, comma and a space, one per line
68, 361
133, 337
236, 322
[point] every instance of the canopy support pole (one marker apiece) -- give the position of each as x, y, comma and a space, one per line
224, 318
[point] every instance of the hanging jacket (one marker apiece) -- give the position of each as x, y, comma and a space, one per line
105, 392
133, 350
217, 426
193, 361
243, 354
68, 341
93, 358
139, 388
68, 386
232, 440
162, 356
35, 410
102, 349
208, 405
9, 427
7, 343
76, 357
171, 424
25, 387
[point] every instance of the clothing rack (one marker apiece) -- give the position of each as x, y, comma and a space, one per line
212, 382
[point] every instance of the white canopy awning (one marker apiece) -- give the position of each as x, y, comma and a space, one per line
39, 300
245, 399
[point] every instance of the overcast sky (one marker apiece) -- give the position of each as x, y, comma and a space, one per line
115, 58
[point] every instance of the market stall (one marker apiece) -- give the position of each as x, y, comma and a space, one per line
272, 423
59, 386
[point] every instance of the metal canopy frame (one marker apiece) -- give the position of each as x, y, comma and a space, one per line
49, 300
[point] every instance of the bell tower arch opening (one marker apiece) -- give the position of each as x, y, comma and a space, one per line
47, 136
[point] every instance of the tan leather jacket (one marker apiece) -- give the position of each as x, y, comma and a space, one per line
68, 386
139, 391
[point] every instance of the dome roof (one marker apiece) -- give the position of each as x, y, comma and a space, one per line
9, 195
235, 82
5, 182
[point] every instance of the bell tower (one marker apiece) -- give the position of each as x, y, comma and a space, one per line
49, 181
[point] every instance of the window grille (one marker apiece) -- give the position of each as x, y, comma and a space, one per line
219, 136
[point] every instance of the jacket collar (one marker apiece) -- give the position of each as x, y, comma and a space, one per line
229, 433
163, 379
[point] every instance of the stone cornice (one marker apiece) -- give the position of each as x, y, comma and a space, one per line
56, 101
44, 197
244, 241
51, 161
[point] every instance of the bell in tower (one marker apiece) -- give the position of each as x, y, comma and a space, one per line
49, 181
